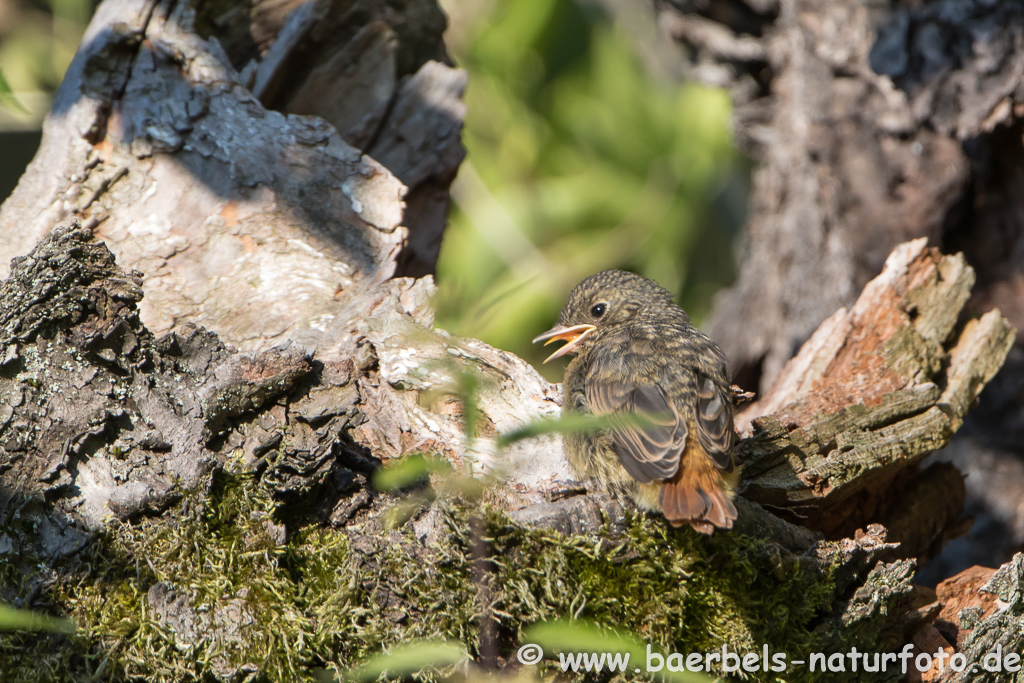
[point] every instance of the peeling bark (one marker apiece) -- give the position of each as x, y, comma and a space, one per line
978, 615
258, 225
103, 420
269, 228
874, 390
151, 419
874, 123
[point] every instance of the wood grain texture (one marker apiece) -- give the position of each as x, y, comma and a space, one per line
861, 401
259, 224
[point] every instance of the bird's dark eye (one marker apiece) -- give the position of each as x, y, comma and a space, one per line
598, 310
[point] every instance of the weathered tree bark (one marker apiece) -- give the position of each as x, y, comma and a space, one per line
125, 424
873, 123
259, 226
876, 388
106, 422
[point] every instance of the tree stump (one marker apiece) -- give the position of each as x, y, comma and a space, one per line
200, 500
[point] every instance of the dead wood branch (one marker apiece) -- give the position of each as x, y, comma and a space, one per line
260, 226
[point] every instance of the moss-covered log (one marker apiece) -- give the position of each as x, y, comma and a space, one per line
263, 551
873, 391
205, 514
871, 125
263, 167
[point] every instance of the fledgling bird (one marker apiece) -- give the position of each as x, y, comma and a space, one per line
637, 353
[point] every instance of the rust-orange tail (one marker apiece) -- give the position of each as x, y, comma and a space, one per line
694, 495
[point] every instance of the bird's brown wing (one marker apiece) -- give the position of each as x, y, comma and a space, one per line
714, 422
652, 436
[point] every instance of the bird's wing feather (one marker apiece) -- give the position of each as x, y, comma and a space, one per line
649, 450
714, 422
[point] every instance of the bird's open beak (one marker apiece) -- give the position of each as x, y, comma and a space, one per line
573, 335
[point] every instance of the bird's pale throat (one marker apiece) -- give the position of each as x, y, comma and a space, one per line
573, 335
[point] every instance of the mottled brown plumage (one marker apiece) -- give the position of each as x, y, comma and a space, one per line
637, 353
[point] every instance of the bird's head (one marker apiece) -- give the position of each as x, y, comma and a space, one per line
604, 302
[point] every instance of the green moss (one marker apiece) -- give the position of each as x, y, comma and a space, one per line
330, 600
669, 587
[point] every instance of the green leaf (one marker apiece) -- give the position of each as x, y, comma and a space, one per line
573, 423
410, 658
7, 98
407, 471
14, 619
583, 636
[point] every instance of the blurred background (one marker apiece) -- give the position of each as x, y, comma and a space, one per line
586, 151
37, 41
589, 149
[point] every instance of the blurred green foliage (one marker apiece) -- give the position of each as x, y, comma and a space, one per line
7, 98
578, 160
38, 40
14, 619
410, 658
